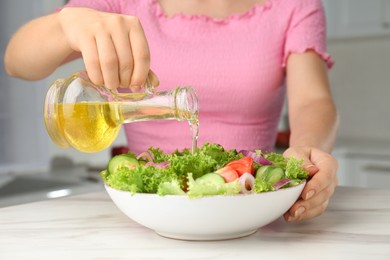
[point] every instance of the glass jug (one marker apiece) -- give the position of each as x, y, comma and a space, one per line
88, 118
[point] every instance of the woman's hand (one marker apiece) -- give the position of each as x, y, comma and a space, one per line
113, 46
322, 168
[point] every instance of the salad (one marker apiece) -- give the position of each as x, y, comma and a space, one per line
211, 170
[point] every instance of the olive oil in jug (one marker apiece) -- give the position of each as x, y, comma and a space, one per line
88, 118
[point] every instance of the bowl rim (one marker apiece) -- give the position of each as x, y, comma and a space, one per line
303, 183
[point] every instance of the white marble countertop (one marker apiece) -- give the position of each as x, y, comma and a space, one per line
355, 226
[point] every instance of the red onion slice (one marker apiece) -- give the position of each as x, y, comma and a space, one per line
148, 156
157, 165
162, 164
257, 158
283, 182
247, 182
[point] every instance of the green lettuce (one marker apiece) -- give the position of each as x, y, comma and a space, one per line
262, 186
125, 180
170, 188
277, 159
294, 169
140, 179
219, 154
197, 189
206, 159
186, 169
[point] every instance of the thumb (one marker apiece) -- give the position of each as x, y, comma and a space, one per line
311, 169
303, 154
153, 79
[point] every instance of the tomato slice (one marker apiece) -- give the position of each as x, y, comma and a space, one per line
228, 173
243, 165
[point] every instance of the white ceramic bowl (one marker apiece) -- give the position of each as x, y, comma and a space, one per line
207, 218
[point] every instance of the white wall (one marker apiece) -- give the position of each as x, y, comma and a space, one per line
360, 83
24, 143
20, 118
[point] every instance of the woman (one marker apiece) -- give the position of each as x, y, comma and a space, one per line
242, 57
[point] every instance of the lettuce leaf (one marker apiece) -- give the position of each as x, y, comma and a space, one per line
185, 169
125, 180
294, 169
206, 159
200, 189
292, 166
277, 159
198, 164
140, 179
170, 188
219, 154
262, 186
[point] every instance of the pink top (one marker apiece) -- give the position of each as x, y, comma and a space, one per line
236, 65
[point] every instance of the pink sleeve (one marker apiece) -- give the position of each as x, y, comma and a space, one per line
110, 6
307, 31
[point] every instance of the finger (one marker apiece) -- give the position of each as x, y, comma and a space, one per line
302, 206
311, 169
91, 61
108, 60
303, 154
307, 214
153, 79
315, 161
325, 177
125, 57
151, 82
141, 55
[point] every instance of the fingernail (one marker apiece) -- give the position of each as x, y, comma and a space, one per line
135, 88
299, 211
309, 195
311, 168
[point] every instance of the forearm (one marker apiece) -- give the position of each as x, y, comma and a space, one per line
314, 124
37, 49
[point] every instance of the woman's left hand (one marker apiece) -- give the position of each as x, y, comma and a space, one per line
314, 199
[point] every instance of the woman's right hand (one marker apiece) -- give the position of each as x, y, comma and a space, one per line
113, 46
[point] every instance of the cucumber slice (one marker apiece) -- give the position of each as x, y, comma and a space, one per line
275, 175
270, 174
211, 178
122, 161
261, 171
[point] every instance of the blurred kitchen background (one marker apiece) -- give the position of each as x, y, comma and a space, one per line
33, 168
